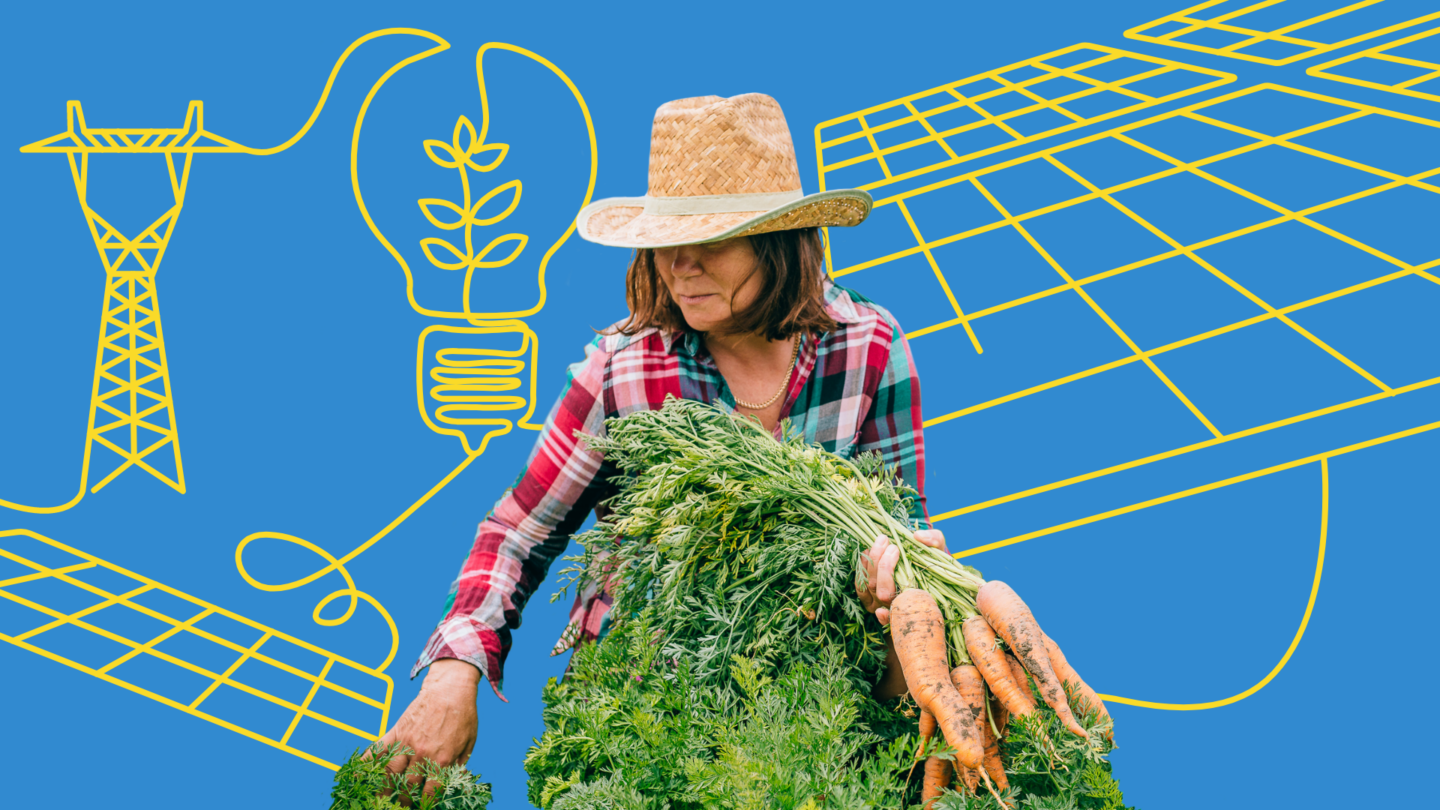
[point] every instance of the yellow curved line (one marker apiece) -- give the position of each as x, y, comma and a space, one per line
250, 150
466, 314
335, 71
79, 495
375, 603
338, 565
1294, 643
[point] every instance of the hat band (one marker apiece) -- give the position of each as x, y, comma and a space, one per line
719, 203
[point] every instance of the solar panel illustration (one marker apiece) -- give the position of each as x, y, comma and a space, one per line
1206, 236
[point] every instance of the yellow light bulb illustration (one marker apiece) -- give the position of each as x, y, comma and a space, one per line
474, 371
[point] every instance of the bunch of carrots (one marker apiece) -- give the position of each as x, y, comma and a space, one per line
735, 544
947, 624
971, 703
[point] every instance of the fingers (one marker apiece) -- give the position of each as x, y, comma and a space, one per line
869, 560
933, 538
398, 764
885, 575
883, 614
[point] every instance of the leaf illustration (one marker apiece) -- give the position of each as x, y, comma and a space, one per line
425, 244
426, 204
520, 238
452, 163
502, 148
462, 124
514, 201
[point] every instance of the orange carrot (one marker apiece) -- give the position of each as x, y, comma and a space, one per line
980, 641
1067, 674
927, 730
937, 778
1020, 676
971, 687
1008, 614
993, 766
1000, 713
971, 778
918, 631
927, 727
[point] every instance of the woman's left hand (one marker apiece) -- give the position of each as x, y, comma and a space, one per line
878, 564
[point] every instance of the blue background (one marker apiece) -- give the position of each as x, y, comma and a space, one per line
291, 352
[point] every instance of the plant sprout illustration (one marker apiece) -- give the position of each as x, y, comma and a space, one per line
466, 214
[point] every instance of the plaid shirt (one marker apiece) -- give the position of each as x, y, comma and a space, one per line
852, 390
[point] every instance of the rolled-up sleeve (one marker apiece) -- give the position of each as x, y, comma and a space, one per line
528, 528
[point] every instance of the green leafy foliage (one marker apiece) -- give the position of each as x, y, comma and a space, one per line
633, 729
739, 666
359, 782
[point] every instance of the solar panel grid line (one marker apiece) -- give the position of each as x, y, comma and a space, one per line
252, 652
1190, 24
1007, 86
930, 128
73, 618
48, 572
1254, 35
1214, 485
1090, 372
305, 707
220, 679
1193, 256
1415, 180
1379, 52
987, 118
1052, 104
995, 75
874, 147
147, 646
207, 635
1180, 451
1385, 180
944, 283
1115, 86
1097, 309
1260, 141
224, 677
1271, 313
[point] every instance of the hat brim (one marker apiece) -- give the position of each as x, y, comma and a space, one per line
622, 221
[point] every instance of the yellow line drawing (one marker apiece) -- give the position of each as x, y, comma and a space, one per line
1424, 72
1299, 632
468, 382
462, 158
115, 672
1132, 135
132, 412
1185, 22
1323, 460
1032, 93
464, 383
1209, 114
1314, 588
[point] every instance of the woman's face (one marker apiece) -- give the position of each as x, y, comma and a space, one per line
709, 281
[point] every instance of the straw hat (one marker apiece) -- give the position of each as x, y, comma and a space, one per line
719, 167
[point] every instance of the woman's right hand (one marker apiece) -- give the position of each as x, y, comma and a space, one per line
877, 585
440, 724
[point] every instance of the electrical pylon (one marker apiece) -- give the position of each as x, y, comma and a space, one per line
132, 412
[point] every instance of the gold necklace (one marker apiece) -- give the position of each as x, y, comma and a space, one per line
784, 384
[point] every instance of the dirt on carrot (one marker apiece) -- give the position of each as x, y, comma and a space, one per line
918, 631
1011, 617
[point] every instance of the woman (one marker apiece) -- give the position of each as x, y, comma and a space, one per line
729, 304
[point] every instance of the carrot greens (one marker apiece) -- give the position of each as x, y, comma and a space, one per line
739, 665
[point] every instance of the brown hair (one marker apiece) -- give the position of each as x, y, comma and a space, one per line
791, 299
